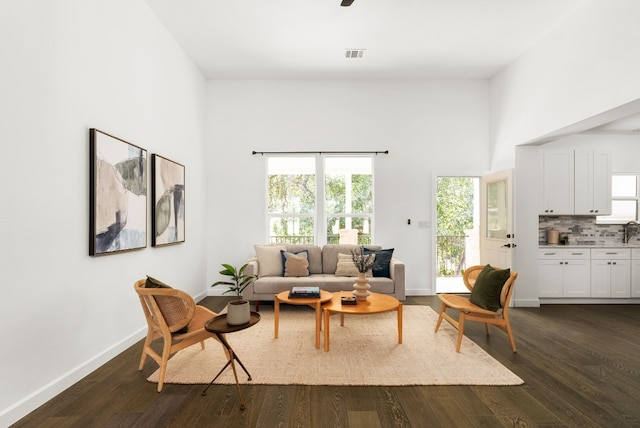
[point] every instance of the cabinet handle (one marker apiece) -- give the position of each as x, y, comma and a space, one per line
614, 263
608, 263
566, 263
613, 252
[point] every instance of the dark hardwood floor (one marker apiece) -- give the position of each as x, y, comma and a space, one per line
580, 364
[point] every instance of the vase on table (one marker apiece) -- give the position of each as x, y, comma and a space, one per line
361, 287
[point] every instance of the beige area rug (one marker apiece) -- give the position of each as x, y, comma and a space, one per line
363, 352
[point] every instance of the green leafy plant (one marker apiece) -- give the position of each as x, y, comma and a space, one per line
238, 279
362, 261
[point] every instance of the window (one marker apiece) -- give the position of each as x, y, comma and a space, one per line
624, 200
309, 194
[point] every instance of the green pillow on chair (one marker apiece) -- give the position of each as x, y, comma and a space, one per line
155, 283
486, 291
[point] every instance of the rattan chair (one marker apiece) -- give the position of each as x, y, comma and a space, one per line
168, 311
471, 312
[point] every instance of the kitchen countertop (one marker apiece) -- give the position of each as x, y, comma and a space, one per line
613, 245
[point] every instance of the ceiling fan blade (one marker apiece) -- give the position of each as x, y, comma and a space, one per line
346, 2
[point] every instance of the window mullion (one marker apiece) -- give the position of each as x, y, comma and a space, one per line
321, 217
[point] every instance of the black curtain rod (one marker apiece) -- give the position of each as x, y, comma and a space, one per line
349, 152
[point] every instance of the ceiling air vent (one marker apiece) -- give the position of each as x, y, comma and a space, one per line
354, 53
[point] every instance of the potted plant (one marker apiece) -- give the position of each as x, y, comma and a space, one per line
238, 311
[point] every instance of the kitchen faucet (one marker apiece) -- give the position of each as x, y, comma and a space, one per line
630, 229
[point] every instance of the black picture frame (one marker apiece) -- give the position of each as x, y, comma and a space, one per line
168, 201
117, 195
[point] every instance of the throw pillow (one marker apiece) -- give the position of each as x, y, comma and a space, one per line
269, 259
295, 264
382, 265
346, 267
486, 291
155, 283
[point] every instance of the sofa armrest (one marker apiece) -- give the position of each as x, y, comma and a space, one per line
252, 266
396, 268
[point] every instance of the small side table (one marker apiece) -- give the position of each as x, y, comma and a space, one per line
218, 326
314, 302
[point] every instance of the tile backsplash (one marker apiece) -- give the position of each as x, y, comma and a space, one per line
583, 230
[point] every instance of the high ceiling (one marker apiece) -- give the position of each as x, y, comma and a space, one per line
408, 39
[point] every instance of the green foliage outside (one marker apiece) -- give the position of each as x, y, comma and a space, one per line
296, 194
455, 215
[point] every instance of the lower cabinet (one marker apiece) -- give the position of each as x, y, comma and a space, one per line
635, 272
564, 273
611, 273
597, 273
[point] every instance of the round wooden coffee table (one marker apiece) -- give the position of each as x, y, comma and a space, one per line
314, 302
376, 303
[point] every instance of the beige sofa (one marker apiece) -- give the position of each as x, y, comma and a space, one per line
267, 264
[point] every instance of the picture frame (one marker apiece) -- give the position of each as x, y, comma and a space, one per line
168, 201
117, 195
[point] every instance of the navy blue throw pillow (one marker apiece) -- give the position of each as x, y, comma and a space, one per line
381, 266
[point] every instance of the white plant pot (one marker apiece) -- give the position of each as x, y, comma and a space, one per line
238, 312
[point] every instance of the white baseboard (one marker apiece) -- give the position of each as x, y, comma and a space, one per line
34, 400
419, 292
526, 303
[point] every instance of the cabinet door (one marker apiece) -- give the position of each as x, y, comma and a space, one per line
557, 182
601, 183
576, 278
592, 178
550, 278
635, 277
621, 278
600, 278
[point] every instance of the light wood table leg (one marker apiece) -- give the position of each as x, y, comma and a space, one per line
276, 315
318, 322
399, 310
327, 315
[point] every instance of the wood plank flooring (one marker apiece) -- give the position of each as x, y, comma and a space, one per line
580, 364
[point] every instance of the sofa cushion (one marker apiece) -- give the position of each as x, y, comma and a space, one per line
269, 259
295, 264
330, 254
488, 286
314, 253
382, 263
265, 288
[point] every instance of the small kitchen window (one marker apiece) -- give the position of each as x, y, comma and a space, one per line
624, 200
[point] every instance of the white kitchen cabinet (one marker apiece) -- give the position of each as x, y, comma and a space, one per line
564, 272
635, 272
557, 182
592, 182
611, 273
575, 182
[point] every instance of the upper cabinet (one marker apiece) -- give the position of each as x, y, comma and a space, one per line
557, 182
576, 182
592, 182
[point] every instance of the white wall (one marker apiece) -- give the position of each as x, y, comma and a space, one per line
580, 75
70, 65
581, 69
425, 125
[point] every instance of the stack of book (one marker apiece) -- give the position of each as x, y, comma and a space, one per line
306, 292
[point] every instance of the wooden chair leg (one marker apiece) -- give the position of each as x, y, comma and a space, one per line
442, 309
147, 344
510, 334
460, 331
